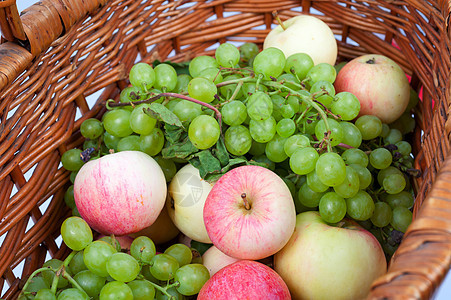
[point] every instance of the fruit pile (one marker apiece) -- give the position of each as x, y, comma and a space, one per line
298, 119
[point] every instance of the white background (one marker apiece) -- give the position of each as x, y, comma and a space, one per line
443, 293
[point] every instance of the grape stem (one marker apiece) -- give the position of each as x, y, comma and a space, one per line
36, 272
174, 95
345, 146
164, 289
235, 92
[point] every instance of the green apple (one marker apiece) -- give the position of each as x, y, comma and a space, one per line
329, 261
304, 34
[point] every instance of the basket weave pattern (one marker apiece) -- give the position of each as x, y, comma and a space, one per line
58, 53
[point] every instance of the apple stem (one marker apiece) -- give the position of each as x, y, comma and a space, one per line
247, 205
276, 16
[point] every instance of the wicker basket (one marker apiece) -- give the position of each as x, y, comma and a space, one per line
59, 53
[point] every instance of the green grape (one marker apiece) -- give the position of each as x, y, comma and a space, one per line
186, 110
360, 206
112, 241
227, 90
275, 149
385, 130
234, 113
117, 122
91, 128
311, 119
351, 184
145, 271
309, 197
122, 267
71, 160
346, 105
257, 148
238, 140
143, 249
403, 199
165, 77
48, 275
202, 89
382, 214
132, 94
110, 140
171, 291
248, 88
394, 183
142, 75
72, 176
401, 219
295, 142
168, 166
405, 123
404, 148
270, 63
212, 74
259, 106
263, 159
45, 294
204, 132
69, 197
287, 111
181, 253
142, 290
172, 103
315, 184
200, 63
351, 134
140, 121
181, 87
197, 257
163, 266
332, 207
263, 131
286, 127
129, 143
331, 169
73, 293
303, 160
192, 278
370, 126
385, 172
77, 264
380, 158
327, 87
152, 143
91, 283
227, 55
96, 255
248, 50
365, 177
355, 156
394, 136
277, 103
289, 80
293, 101
336, 131
76, 233
116, 290
36, 284
299, 64
321, 71
75, 212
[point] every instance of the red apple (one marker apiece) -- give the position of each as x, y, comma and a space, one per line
325, 261
379, 83
214, 260
249, 213
245, 279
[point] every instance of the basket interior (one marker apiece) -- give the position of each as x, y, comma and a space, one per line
51, 93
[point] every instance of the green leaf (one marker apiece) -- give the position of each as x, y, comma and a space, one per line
162, 113
180, 68
181, 149
221, 152
173, 134
208, 163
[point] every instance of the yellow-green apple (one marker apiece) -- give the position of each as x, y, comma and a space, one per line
214, 260
379, 83
161, 231
327, 261
120, 193
304, 34
249, 213
245, 279
185, 204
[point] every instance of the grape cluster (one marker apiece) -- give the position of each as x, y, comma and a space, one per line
282, 113
100, 269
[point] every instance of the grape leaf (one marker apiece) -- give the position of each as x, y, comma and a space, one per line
162, 113
221, 152
174, 134
181, 149
208, 164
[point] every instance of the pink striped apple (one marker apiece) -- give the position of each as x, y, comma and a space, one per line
249, 213
120, 193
